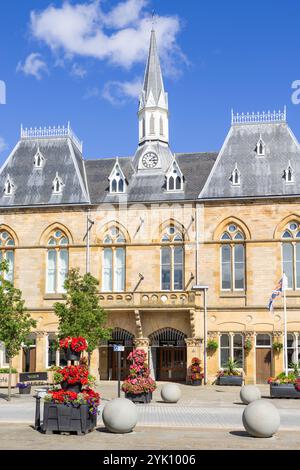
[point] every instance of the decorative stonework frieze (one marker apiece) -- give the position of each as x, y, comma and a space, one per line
138, 323
213, 334
141, 342
277, 334
193, 342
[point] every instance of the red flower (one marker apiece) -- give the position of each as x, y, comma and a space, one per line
76, 344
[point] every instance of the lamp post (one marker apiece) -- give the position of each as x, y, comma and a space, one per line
204, 289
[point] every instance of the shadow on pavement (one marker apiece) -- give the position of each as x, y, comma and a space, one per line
240, 434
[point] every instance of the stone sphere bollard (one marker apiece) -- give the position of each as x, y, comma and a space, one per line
170, 393
261, 419
249, 393
120, 415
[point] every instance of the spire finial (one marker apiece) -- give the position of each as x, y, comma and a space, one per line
153, 20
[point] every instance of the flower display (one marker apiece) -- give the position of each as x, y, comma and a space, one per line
75, 344
23, 385
196, 369
281, 378
66, 397
138, 380
72, 375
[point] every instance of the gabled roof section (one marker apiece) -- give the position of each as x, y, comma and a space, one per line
153, 93
116, 169
261, 177
148, 188
34, 188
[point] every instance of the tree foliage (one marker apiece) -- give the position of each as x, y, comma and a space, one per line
15, 322
81, 313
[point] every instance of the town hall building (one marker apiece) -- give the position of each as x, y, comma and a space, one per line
187, 247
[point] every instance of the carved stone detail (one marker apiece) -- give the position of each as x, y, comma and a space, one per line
213, 334
277, 334
141, 342
192, 322
138, 323
193, 342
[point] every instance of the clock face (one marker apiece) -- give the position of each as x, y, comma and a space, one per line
150, 160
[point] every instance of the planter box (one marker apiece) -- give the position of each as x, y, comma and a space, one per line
4, 380
283, 391
231, 380
68, 418
25, 391
196, 382
140, 398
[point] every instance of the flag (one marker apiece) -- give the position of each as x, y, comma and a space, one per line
275, 293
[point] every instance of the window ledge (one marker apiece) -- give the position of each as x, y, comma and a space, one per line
233, 295
53, 296
295, 293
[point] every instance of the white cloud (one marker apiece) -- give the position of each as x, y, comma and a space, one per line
120, 36
118, 93
33, 65
78, 71
3, 144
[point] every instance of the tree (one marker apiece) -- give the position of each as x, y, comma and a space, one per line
81, 313
15, 322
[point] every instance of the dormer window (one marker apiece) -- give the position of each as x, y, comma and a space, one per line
260, 147
174, 178
235, 176
288, 174
117, 180
9, 186
39, 160
57, 185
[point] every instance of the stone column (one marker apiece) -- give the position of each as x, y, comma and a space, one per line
142, 343
278, 357
193, 349
17, 361
94, 364
249, 358
213, 357
41, 350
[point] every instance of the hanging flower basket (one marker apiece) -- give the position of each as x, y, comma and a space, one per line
196, 372
73, 347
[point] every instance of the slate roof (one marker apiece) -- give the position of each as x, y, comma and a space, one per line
261, 176
145, 187
33, 186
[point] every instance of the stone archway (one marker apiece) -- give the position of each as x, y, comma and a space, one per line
168, 354
108, 361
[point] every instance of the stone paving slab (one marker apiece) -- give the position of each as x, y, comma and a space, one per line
23, 437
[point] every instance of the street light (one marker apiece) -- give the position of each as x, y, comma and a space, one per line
204, 289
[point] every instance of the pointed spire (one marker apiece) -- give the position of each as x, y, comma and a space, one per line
153, 81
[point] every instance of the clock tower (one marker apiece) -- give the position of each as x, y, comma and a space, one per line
153, 152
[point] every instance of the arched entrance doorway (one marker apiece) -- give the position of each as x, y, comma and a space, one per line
168, 355
125, 338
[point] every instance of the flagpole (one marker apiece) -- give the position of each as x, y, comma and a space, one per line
285, 325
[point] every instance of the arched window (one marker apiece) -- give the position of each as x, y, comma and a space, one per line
235, 176
38, 159
57, 185
288, 174
174, 178
161, 126
57, 262
291, 254
152, 124
117, 180
9, 186
113, 266
260, 147
7, 252
172, 260
232, 259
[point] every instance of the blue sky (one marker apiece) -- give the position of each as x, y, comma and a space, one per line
83, 61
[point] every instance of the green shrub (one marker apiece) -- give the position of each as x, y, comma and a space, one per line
212, 345
5, 370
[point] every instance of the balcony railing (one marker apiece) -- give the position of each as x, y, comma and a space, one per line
148, 299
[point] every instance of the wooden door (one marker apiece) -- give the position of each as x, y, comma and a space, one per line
263, 365
29, 360
172, 364
113, 360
